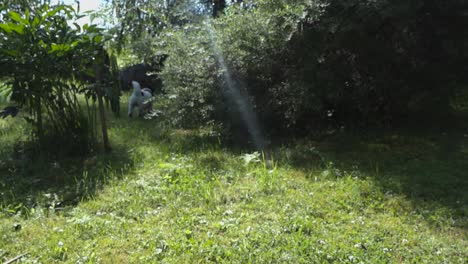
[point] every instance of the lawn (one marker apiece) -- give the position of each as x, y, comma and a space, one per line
183, 196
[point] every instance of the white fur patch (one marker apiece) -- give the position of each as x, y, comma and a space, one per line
141, 99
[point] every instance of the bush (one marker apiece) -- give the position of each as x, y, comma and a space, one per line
191, 77
316, 63
44, 59
194, 79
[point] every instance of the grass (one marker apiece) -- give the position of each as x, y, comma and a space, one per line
174, 196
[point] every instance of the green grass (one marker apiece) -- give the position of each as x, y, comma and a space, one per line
174, 196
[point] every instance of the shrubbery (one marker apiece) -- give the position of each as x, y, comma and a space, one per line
47, 64
249, 41
307, 64
190, 76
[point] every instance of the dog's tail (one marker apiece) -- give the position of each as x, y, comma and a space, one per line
147, 90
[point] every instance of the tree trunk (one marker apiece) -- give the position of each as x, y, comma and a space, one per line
218, 7
102, 115
98, 69
39, 125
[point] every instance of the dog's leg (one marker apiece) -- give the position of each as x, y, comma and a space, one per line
150, 106
130, 109
138, 110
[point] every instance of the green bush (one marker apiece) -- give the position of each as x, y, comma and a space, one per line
194, 79
314, 63
190, 77
48, 63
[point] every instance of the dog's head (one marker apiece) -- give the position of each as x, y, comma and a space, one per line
136, 86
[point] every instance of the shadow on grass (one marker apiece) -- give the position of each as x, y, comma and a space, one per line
40, 181
429, 169
29, 179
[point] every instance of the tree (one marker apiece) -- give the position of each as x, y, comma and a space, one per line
151, 17
47, 61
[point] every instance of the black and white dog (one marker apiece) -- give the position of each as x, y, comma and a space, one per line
141, 99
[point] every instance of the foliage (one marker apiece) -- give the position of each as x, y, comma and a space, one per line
139, 23
376, 61
194, 78
182, 196
5, 93
42, 57
190, 76
20, 5
303, 64
137, 19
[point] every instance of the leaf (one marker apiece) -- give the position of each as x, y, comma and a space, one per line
13, 53
98, 39
75, 43
59, 47
15, 16
6, 28
17, 28
36, 21
28, 16
5, 93
52, 12
9, 28
77, 26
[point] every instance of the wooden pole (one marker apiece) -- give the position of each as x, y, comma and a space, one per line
102, 115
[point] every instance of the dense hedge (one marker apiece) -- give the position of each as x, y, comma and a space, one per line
312, 63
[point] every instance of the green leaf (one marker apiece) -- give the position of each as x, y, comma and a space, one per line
59, 48
17, 28
28, 15
98, 39
15, 16
36, 21
42, 43
6, 28
77, 26
56, 47
5, 93
75, 43
13, 53
52, 12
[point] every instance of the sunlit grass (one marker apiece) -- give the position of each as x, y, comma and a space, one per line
173, 196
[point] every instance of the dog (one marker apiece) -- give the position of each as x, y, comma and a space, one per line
141, 99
